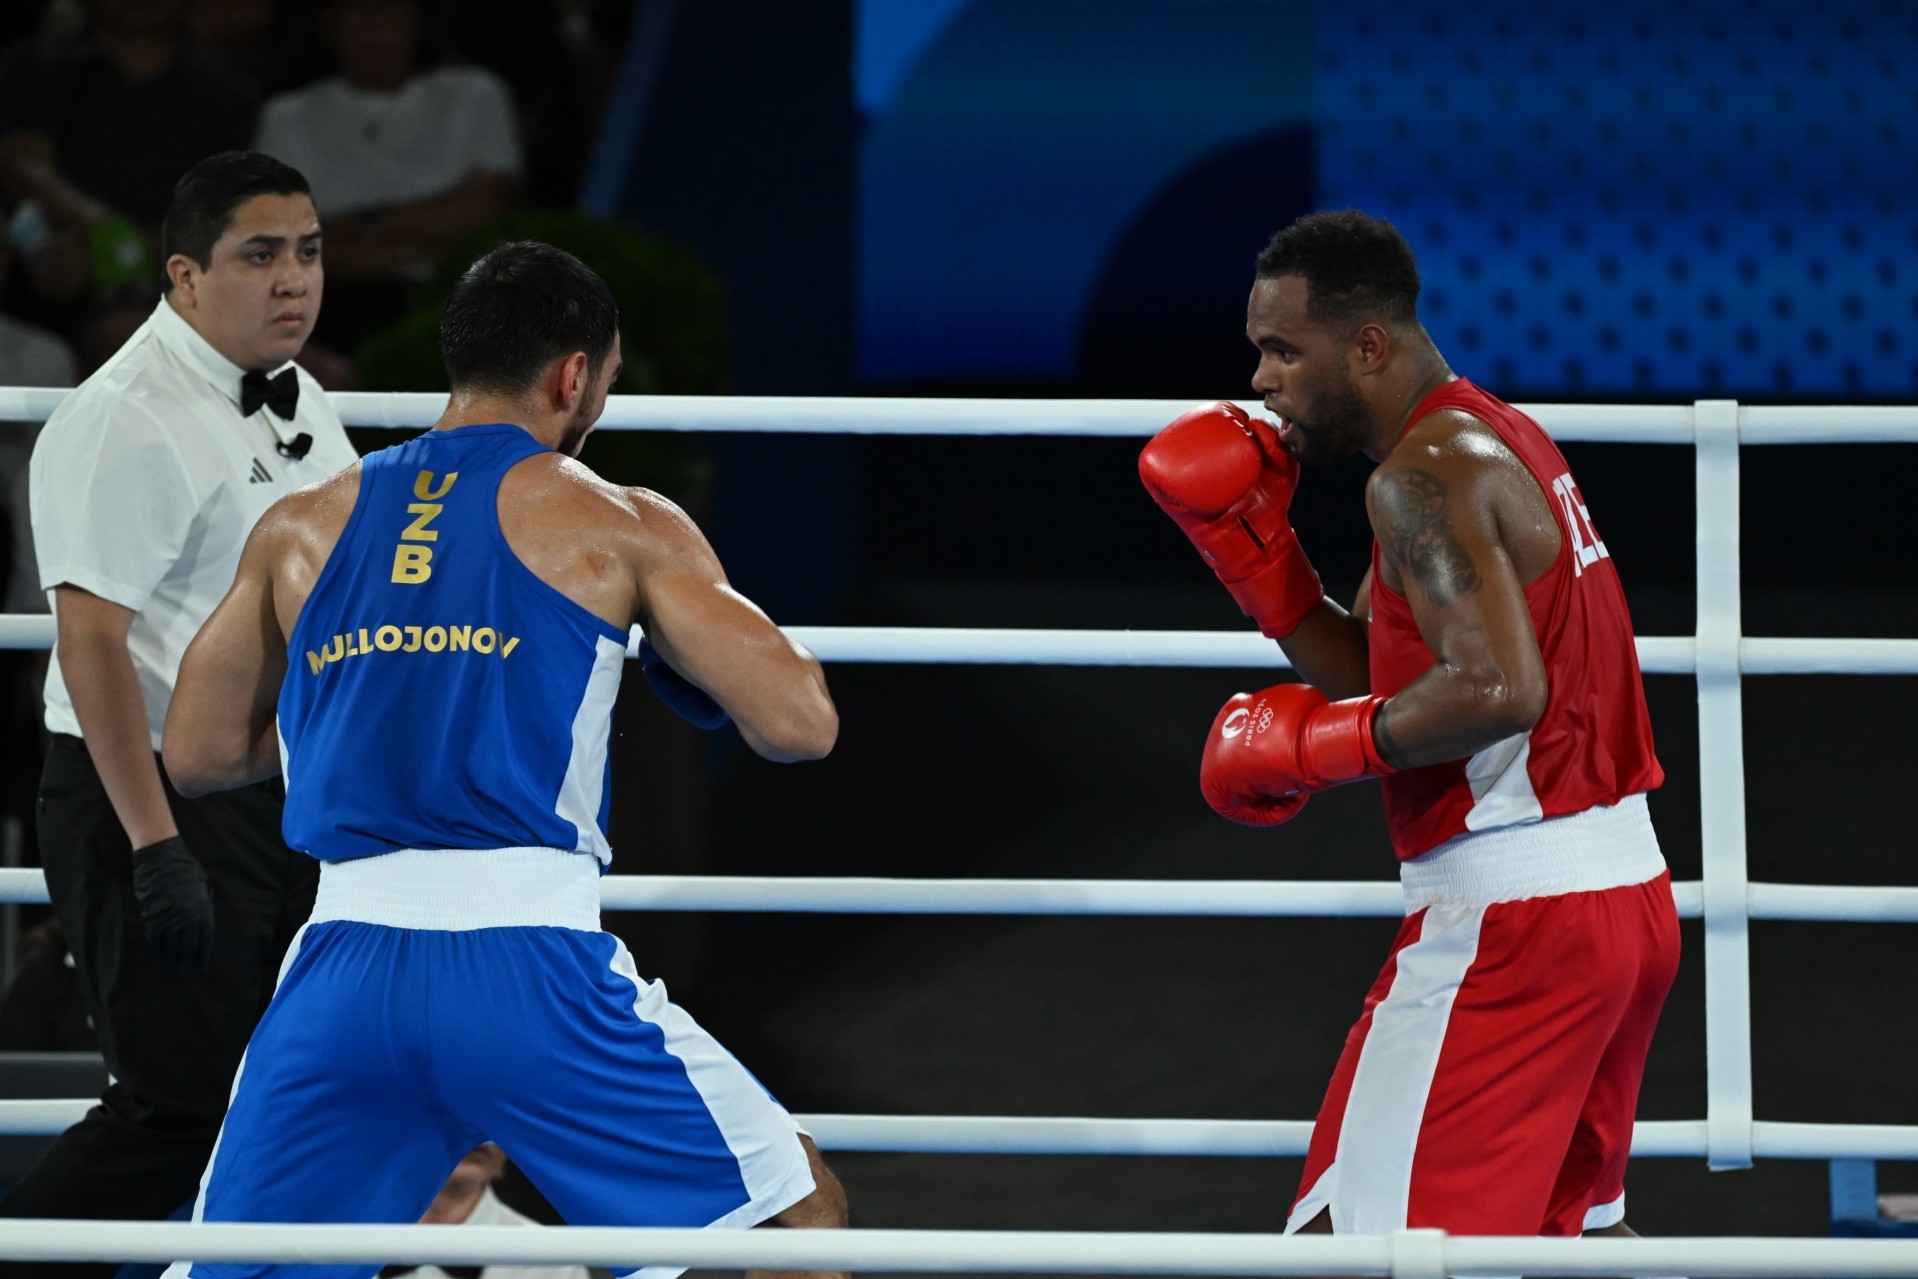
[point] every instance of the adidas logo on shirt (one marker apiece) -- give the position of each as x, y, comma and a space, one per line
260, 474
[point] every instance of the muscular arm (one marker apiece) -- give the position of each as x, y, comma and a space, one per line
1329, 647
105, 690
220, 730
1438, 531
773, 688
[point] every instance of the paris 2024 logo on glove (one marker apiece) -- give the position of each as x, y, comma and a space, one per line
1258, 718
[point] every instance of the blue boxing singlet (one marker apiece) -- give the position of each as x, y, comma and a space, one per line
438, 694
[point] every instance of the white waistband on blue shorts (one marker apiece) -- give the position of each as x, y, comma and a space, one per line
456, 890
1600, 848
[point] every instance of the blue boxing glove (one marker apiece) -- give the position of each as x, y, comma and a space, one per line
687, 700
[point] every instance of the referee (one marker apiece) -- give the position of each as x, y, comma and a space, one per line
145, 484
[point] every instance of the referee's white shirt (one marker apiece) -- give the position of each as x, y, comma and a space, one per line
144, 486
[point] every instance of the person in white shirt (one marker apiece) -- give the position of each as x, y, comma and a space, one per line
144, 485
404, 162
467, 1199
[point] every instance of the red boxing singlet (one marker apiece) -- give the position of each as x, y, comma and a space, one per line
1593, 744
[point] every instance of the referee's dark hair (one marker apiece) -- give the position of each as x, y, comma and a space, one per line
519, 308
207, 194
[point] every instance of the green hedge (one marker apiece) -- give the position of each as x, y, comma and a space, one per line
672, 321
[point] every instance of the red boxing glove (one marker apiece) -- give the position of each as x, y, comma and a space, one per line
1268, 751
1226, 480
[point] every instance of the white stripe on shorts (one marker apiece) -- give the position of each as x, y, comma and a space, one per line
1369, 1183
1600, 1216
757, 1129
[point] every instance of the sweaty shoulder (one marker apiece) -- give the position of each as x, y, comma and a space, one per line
1447, 445
587, 537
296, 536
312, 516
549, 489
1452, 461
1463, 449
323, 500
1450, 434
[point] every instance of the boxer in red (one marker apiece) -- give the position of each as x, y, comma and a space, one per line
1486, 675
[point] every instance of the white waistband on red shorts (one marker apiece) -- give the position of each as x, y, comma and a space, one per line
456, 890
1604, 847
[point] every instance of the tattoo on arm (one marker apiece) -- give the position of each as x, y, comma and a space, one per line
1416, 527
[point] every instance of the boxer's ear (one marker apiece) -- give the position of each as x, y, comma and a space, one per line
1371, 349
569, 381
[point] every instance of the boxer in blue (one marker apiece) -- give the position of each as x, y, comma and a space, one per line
428, 646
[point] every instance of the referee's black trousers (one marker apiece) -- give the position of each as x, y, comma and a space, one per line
172, 1037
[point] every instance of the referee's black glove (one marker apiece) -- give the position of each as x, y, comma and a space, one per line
175, 903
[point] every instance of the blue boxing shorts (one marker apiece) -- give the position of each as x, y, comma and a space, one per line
440, 999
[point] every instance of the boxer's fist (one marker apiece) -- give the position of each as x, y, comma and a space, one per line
1225, 479
1269, 750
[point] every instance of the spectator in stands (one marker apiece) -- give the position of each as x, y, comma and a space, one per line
404, 161
259, 41
560, 59
94, 133
467, 1199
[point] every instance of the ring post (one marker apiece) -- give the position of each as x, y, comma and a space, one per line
1721, 792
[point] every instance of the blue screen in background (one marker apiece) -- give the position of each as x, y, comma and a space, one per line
1654, 200
1007, 165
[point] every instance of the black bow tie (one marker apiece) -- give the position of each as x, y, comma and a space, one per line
457, 1272
281, 394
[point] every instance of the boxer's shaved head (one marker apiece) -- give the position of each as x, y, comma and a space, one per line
1356, 268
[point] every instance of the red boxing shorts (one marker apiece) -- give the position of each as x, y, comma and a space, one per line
1490, 1085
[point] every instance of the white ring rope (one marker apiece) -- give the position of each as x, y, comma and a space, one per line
858, 895
962, 646
1405, 1254
1210, 1138
1225, 898
881, 415
1229, 898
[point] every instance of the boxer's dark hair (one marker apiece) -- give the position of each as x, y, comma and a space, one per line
206, 195
1356, 267
519, 308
